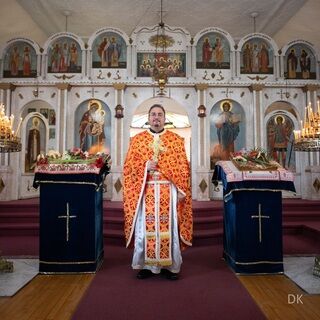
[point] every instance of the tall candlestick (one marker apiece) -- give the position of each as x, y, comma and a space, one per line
305, 115
19, 125
311, 113
11, 119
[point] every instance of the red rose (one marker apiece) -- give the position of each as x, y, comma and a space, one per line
237, 153
42, 161
253, 154
99, 162
76, 151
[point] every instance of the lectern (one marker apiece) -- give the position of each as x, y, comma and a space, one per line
252, 237
71, 218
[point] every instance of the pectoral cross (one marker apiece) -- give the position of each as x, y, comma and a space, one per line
67, 217
260, 217
227, 92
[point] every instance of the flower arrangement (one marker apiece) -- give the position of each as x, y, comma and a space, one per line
75, 156
254, 159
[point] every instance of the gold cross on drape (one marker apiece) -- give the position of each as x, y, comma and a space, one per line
67, 217
260, 217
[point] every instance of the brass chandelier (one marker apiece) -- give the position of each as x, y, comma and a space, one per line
161, 41
308, 138
9, 140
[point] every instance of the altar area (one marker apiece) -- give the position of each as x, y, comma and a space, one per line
266, 103
71, 212
252, 224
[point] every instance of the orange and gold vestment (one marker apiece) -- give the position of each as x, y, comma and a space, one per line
154, 190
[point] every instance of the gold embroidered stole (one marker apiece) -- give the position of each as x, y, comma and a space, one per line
158, 221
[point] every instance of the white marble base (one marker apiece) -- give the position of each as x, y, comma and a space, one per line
24, 270
299, 270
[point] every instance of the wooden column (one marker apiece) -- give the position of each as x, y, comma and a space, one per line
62, 115
257, 114
118, 152
202, 177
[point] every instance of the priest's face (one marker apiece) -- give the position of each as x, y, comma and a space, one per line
156, 119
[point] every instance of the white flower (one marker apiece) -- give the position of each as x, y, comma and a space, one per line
40, 156
66, 156
54, 154
240, 158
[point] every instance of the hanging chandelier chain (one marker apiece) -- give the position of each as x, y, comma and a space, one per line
161, 24
143, 15
160, 67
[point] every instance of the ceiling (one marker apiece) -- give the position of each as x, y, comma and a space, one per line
87, 16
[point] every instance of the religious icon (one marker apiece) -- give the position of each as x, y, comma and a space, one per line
305, 64
26, 62
280, 139
151, 64
292, 64
92, 125
20, 61
227, 124
263, 58
52, 117
114, 52
213, 52
33, 145
300, 62
14, 61
206, 52
256, 57
109, 50
247, 58
227, 130
64, 56
218, 52
73, 65
32, 110
44, 112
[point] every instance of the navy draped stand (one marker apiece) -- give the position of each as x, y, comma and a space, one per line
252, 223
71, 221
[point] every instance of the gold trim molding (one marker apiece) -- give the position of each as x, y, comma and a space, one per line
310, 87
253, 262
119, 86
201, 86
256, 87
6, 86
64, 86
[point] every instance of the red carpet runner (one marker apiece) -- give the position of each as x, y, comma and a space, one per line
207, 289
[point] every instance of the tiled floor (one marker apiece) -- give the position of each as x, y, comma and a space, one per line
299, 270
24, 271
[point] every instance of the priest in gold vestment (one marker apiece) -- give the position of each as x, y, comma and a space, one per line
157, 199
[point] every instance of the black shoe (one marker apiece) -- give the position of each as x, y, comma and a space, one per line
169, 275
144, 273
